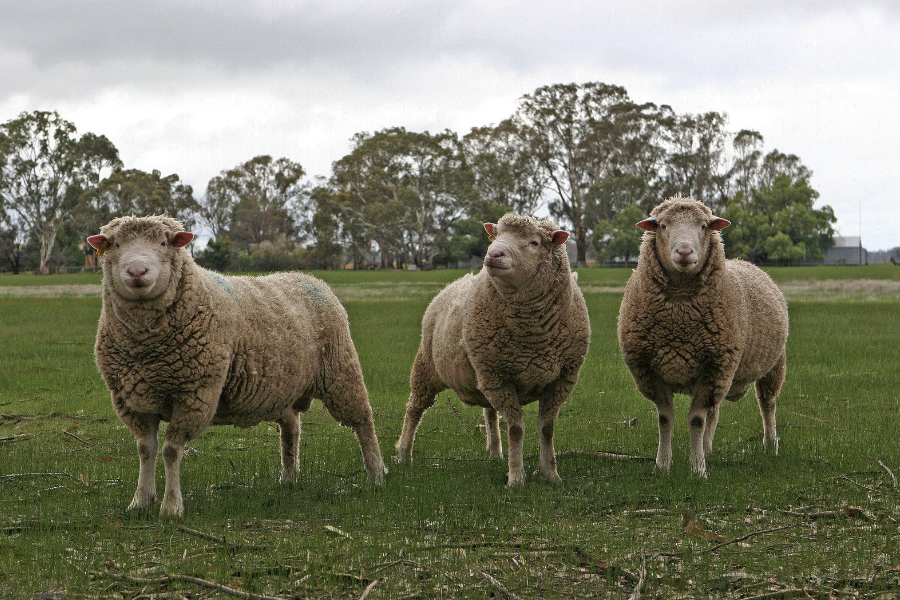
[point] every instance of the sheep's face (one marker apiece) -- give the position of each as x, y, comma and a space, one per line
515, 254
683, 236
139, 265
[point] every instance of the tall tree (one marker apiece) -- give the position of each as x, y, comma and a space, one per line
696, 165
44, 169
267, 198
406, 189
505, 170
584, 134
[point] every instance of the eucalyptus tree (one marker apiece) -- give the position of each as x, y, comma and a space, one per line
583, 135
266, 199
505, 170
405, 190
44, 170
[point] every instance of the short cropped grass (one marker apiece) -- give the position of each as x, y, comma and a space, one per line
820, 519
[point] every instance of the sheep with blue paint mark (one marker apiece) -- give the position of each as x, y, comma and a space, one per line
193, 348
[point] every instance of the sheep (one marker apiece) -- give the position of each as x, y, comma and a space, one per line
693, 322
516, 332
181, 344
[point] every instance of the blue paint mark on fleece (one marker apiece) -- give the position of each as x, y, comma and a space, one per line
315, 292
222, 283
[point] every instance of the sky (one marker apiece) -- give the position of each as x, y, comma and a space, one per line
195, 87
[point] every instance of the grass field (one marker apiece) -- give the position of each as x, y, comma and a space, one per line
819, 520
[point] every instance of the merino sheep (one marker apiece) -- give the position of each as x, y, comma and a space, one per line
515, 333
181, 344
694, 323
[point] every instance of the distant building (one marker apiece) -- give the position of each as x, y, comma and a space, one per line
847, 250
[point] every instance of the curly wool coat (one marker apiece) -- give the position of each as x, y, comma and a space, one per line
215, 350
709, 335
501, 348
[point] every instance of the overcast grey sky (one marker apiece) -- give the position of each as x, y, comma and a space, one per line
197, 86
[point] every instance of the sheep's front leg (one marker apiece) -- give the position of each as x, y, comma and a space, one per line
548, 409
190, 416
705, 402
545, 422
492, 428
289, 428
504, 400
145, 428
661, 395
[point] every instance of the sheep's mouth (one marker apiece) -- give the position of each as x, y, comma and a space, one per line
496, 264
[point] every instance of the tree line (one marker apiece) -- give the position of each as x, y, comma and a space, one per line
586, 154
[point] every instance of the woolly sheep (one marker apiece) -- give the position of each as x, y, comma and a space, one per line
694, 323
181, 344
515, 333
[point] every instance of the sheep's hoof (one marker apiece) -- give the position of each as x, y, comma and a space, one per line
514, 481
403, 458
172, 508
553, 477
662, 468
290, 476
699, 471
495, 453
142, 501
771, 445
377, 477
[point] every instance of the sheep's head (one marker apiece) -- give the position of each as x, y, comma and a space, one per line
139, 252
521, 247
682, 227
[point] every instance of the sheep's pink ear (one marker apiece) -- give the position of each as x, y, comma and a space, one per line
182, 238
559, 237
491, 229
96, 241
649, 224
718, 223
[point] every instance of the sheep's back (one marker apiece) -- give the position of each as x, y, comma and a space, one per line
766, 323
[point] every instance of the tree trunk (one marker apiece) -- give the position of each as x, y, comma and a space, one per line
581, 246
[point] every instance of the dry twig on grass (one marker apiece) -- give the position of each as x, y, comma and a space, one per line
889, 472
166, 579
638, 591
368, 590
748, 536
497, 585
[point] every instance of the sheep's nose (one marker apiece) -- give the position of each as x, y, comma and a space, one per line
684, 253
496, 254
137, 272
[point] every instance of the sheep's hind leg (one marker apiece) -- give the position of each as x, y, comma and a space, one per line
424, 390
492, 428
289, 427
145, 430
767, 390
347, 401
712, 419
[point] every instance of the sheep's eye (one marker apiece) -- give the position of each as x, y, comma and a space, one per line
703, 226
661, 226
117, 244
535, 243
162, 243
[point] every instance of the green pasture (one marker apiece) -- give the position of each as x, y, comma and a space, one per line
818, 520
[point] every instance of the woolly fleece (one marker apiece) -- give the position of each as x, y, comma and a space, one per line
214, 350
709, 335
501, 348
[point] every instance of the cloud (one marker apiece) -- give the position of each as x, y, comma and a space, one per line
194, 87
